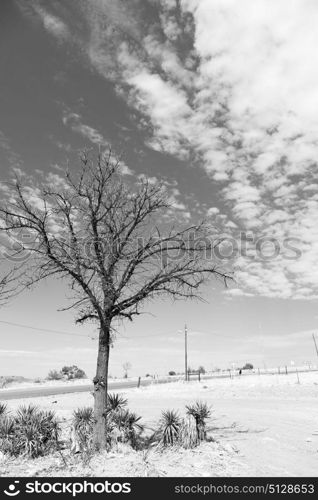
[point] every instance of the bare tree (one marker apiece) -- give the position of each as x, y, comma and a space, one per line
9, 284
126, 367
110, 241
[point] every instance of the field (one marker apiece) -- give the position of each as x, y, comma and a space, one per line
262, 425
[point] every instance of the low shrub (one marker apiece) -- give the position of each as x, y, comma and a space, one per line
128, 426
248, 366
72, 372
116, 402
188, 436
7, 436
186, 432
200, 411
3, 410
54, 375
82, 423
122, 425
5, 381
68, 373
169, 428
29, 432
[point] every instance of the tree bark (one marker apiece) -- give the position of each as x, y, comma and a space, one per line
100, 389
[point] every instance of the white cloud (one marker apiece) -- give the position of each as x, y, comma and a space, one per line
74, 121
51, 23
241, 101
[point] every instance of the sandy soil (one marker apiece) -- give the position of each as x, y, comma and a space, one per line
262, 426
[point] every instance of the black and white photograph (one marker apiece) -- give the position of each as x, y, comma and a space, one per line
158, 243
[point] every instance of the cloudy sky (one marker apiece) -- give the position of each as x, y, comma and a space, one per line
216, 97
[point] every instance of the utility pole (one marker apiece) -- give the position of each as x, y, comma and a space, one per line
313, 336
185, 353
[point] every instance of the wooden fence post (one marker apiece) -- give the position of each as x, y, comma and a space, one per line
139, 379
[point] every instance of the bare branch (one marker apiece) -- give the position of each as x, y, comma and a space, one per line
107, 240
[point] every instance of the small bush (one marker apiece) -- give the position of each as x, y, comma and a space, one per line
128, 426
170, 424
121, 425
80, 374
115, 402
171, 373
201, 412
188, 436
248, 366
5, 381
83, 421
3, 410
7, 436
54, 375
72, 372
30, 432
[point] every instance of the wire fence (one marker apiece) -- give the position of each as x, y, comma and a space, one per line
229, 373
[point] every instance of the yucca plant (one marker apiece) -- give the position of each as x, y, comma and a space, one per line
129, 426
115, 402
34, 432
170, 424
26, 413
201, 412
3, 410
188, 436
7, 437
83, 421
6, 427
83, 418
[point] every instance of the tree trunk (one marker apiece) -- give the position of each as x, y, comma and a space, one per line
100, 389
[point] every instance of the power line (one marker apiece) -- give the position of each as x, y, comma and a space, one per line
57, 332
148, 336
72, 334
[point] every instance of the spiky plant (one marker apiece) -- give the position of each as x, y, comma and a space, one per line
170, 424
29, 432
201, 412
115, 402
35, 432
83, 417
6, 427
7, 438
83, 421
25, 413
188, 436
129, 426
3, 410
